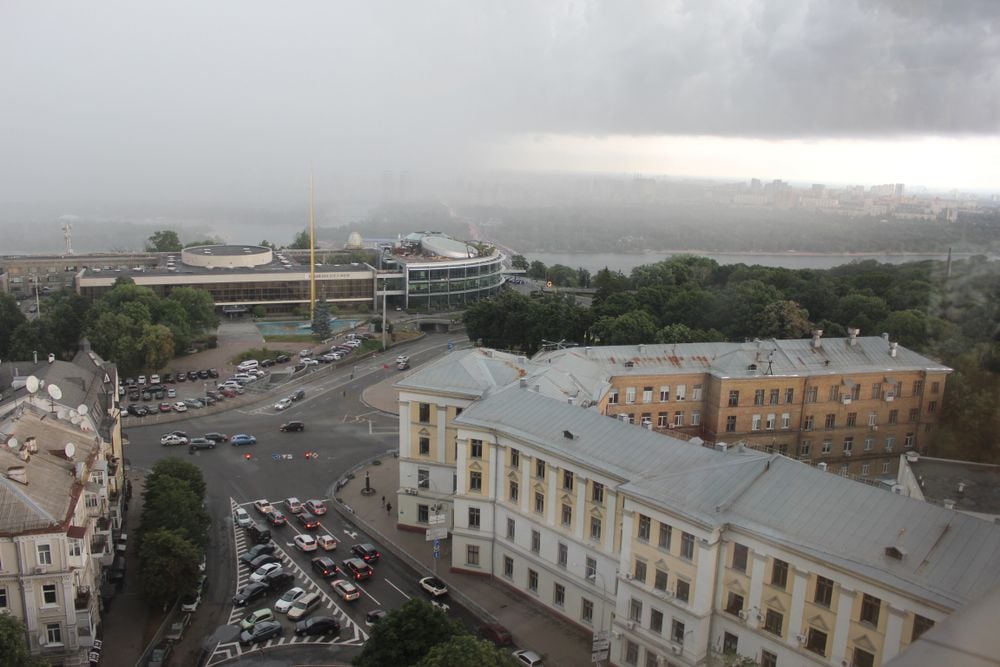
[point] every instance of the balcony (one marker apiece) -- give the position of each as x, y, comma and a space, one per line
103, 524
82, 600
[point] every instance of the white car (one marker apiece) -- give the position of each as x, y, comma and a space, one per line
402, 359
141, 379
263, 506
305, 542
304, 353
242, 517
310, 362
286, 601
527, 658
263, 571
190, 603
154, 379
327, 542
180, 406
173, 439
283, 404
434, 586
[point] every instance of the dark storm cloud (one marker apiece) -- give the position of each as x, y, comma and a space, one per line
199, 98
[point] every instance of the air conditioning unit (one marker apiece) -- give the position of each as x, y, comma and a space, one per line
847, 453
874, 427
743, 615
676, 649
800, 639
889, 398
410, 492
846, 400
630, 624
40, 569
628, 575
669, 425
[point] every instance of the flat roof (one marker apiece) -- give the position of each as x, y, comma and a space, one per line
272, 268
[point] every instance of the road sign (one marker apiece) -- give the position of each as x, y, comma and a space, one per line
435, 519
275, 456
601, 645
437, 545
437, 554
599, 656
436, 533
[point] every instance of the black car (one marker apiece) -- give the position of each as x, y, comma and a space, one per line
318, 625
159, 394
203, 374
249, 593
292, 426
299, 367
168, 378
367, 552
216, 437
258, 560
260, 550
308, 521
147, 395
193, 376
298, 395
282, 359
181, 377
278, 579
138, 410
212, 373
357, 568
200, 443
266, 363
261, 632
324, 566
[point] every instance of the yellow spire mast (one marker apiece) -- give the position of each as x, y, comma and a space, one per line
312, 251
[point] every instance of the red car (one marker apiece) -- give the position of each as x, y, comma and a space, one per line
166, 407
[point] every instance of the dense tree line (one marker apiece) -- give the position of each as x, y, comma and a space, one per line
954, 318
130, 325
174, 530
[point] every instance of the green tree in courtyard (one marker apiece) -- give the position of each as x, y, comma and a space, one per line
163, 241
301, 241
169, 564
14, 643
11, 318
406, 635
519, 262
467, 651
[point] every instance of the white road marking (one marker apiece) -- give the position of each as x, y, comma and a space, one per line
397, 588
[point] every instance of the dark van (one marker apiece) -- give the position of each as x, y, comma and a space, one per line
298, 395
259, 533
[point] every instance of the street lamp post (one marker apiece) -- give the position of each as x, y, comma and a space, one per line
435, 518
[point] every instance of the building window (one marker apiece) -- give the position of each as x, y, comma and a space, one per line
830, 421
532, 581
75, 548
476, 481
812, 393
870, 607
640, 571
586, 610
790, 395
769, 423
567, 515
53, 633
44, 554
635, 610
816, 641
890, 440
660, 580
774, 396
664, 537
755, 423
540, 469
682, 590
804, 447
613, 397
539, 503
779, 573
914, 414
476, 447
471, 555
740, 553
425, 413
679, 418
876, 390
425, 446
869, 444
567, 480
473, 517
865, 469
536, 541
49, 594
664, 393
773, 622
893, 416
758, 397
695, 417
645, 527
511, 526
862, 659
514, 491
734, 604
508, 567
687, 546
920, 626
730, 643
768, 659
918, 387
629, 395
423, 513
595, 528
559, 595
935, 387
834, 393
656, 620
731, 424
515, 458
827, 446
631, 656
662, 419
563, 554
3, 598
677, 632
852, 419
590, 569
786, 421
597, 492
696, 392
908, 441
734, 399
807, 423
647, 394
849, 443
824, 591
423, 478
885, 468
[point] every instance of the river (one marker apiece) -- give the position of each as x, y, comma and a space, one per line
625, 262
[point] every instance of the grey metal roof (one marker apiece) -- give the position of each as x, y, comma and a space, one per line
940, 478
469, 372
949, 557
792, 357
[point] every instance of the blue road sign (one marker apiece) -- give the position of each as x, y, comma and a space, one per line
437, 545
437, 554
451, 345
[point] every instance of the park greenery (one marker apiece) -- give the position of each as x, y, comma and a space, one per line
174, 530
950, 315
13, 647
130, 325
419, 635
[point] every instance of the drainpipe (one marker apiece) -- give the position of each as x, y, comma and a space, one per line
24, 597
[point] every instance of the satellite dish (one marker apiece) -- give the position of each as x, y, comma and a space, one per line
63, 413
32, 384
69, 450
13, 444
54, 392
82, 409
75, 418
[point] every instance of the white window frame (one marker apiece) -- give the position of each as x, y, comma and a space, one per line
664, 393
786, 420
680, 392
44, 553
769, 423
53, 634
696, 417
629, 395
647, 395
755, 423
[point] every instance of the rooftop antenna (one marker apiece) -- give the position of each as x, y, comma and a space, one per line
67, 230
770, 363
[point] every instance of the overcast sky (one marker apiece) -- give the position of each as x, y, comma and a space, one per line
232, 99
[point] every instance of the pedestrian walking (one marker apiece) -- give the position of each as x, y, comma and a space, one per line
388, 508
383, 501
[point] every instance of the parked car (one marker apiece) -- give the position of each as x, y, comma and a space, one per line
276, 518
241, 439
304, 605
317, 507
320, 625
305, 542
264, 570
171, 439
256, 551
375, 616
261, 632
284, 603
200, 443
308, 521
496, 633
434, 586
367, 552
180, 406
190, 602
254, 563
154, 379
171, 393
293, 505
346, 590
242, 518
357, 568
278, 580
249, 593
309, 362
166, 407
204, 374
168, 377
262, 505
282, 359
526, 658
255, 617
181, 377
324, 566
193, 376
289, 427
141, 380
212, 373
283, 404
193, 403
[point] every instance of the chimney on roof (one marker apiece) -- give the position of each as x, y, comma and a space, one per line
892, 349
52, 357
18, 474
523, 382
642, 348
587, 350
816, 334
568, 435
852, 336
949, 504
885, 336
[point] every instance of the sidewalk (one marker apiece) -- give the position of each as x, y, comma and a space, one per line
532, 625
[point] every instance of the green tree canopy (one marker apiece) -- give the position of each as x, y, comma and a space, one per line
301, 241
321, 321
783, 319
537, 270
198, 306
14, 644
169, 563
519, 262
163, 241
178, 468
170, 503
406, 635
467, 651
11, 318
